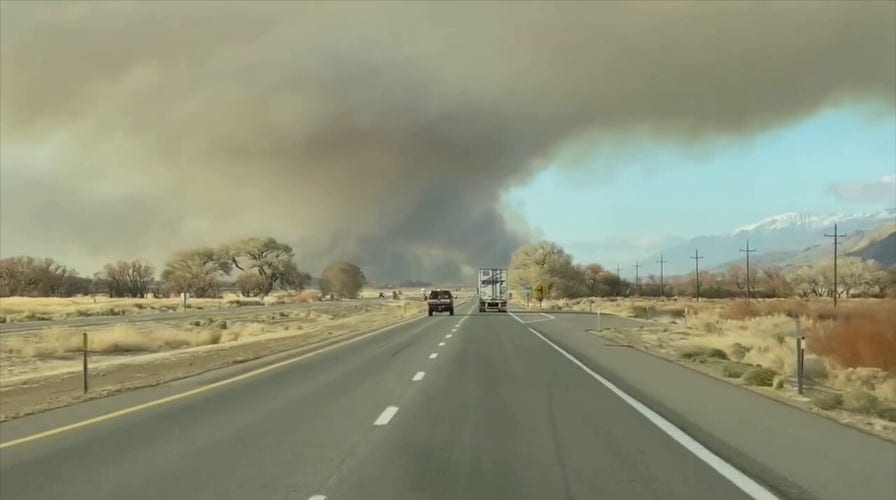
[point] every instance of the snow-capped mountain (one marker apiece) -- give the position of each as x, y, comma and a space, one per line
810, 221
775, 239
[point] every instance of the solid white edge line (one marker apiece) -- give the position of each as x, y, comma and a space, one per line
418, 376
728, 471
386, 415
433, 355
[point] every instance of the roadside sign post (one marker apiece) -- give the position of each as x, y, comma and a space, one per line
800, 356
84, 349
528, 295
539, 294
185, 296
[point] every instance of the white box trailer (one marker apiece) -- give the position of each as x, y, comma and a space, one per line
493, 289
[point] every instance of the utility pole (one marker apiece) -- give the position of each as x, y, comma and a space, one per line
748, 251
618, 280
697, 258
637, 281
662, 288
836, 237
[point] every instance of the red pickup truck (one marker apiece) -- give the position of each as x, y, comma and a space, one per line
441, 301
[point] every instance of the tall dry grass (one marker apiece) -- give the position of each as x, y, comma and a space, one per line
852, 348
123, 338
859, 336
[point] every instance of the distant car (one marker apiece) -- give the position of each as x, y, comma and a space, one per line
441, 301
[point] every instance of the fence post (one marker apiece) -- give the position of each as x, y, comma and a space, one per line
799, 358
84, 349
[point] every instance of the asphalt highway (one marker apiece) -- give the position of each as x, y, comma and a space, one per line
471, 406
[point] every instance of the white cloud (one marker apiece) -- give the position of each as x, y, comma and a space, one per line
882, 190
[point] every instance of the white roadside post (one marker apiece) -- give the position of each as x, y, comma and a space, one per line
598, 319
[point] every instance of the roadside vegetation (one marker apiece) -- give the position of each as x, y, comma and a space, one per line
850, 364
251, 271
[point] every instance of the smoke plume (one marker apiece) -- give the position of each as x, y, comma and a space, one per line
383, 133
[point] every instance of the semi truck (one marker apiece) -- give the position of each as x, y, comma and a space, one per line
493, 289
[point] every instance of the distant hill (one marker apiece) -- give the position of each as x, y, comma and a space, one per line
882, 251
790, 238
878, 244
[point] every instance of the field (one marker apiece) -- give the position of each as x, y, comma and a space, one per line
40, 366
850, 362
22, 309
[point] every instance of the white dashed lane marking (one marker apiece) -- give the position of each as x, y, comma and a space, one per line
386, 415
441, 344
433, 355
418, 376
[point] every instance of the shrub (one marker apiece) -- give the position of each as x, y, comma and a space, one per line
865, 336
759, 376
701, 354
738, 351
734, 370
860, 401
828, 401
887, 413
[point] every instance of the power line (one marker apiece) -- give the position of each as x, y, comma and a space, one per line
836, 237
662, 288
637, 280
748, 251
697, 258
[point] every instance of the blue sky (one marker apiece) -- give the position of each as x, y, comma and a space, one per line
839, 160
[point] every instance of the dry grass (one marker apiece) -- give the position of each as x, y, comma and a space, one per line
17, 309
13, 309
58, 348
122, 338
851, 348
861, 336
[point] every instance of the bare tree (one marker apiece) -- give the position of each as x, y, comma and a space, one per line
774, 283
268, 259
39, 277
128, 279
547, 263
859, 275
342, 279
811, 281
196, 271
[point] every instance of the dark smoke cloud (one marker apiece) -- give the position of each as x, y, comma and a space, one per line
379, 132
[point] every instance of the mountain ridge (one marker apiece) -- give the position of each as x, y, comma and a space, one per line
789, 238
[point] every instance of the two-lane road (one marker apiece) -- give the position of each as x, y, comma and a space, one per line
472, 406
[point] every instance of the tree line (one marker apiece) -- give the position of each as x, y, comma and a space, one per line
548, 263
260, 266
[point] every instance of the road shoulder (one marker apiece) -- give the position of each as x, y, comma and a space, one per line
779, 443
